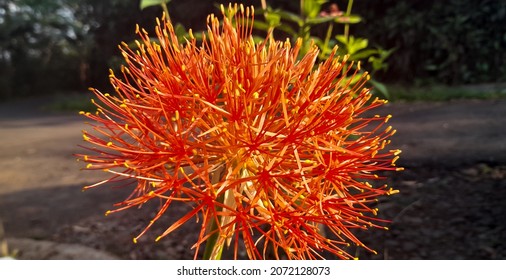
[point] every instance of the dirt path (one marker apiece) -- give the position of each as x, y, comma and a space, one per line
41, 198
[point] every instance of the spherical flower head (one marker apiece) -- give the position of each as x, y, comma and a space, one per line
275, 154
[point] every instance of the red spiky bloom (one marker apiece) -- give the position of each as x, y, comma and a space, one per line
270, 150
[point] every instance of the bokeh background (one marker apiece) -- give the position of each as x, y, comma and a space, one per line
446, 78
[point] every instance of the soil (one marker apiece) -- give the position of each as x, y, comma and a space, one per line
451, 205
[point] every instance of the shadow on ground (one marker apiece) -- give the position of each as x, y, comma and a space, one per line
450, 206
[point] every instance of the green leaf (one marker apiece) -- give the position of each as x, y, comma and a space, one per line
351, 19
352, 44
273, 19
357, 44
342, 39
148, 3
363, 54
379, 88
311, 8
181, 32
260, 25
290, 17
318, 20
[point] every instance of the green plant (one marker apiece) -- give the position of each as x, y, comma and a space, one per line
312, 16
301, 26
447, 42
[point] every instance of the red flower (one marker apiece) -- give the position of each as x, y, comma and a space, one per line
271, 150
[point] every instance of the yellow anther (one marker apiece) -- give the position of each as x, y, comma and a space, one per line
394, 160
107, 95
81, 112
134, 240
392, 191
107, 212
109, 144
123, 105
89, 165
265, 203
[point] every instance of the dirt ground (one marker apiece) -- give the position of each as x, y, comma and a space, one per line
452, 202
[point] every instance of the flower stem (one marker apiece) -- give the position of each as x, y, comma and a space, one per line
347, 25
212, 242
210, 252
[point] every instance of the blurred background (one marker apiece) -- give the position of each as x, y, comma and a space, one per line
442, 63
69, 45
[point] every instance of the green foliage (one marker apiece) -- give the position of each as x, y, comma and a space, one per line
36, 37
300, 26
148, 3
313, 16
451, 42
46, 46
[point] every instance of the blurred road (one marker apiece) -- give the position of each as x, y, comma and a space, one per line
36, 146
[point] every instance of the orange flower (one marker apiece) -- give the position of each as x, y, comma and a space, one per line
269, 150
